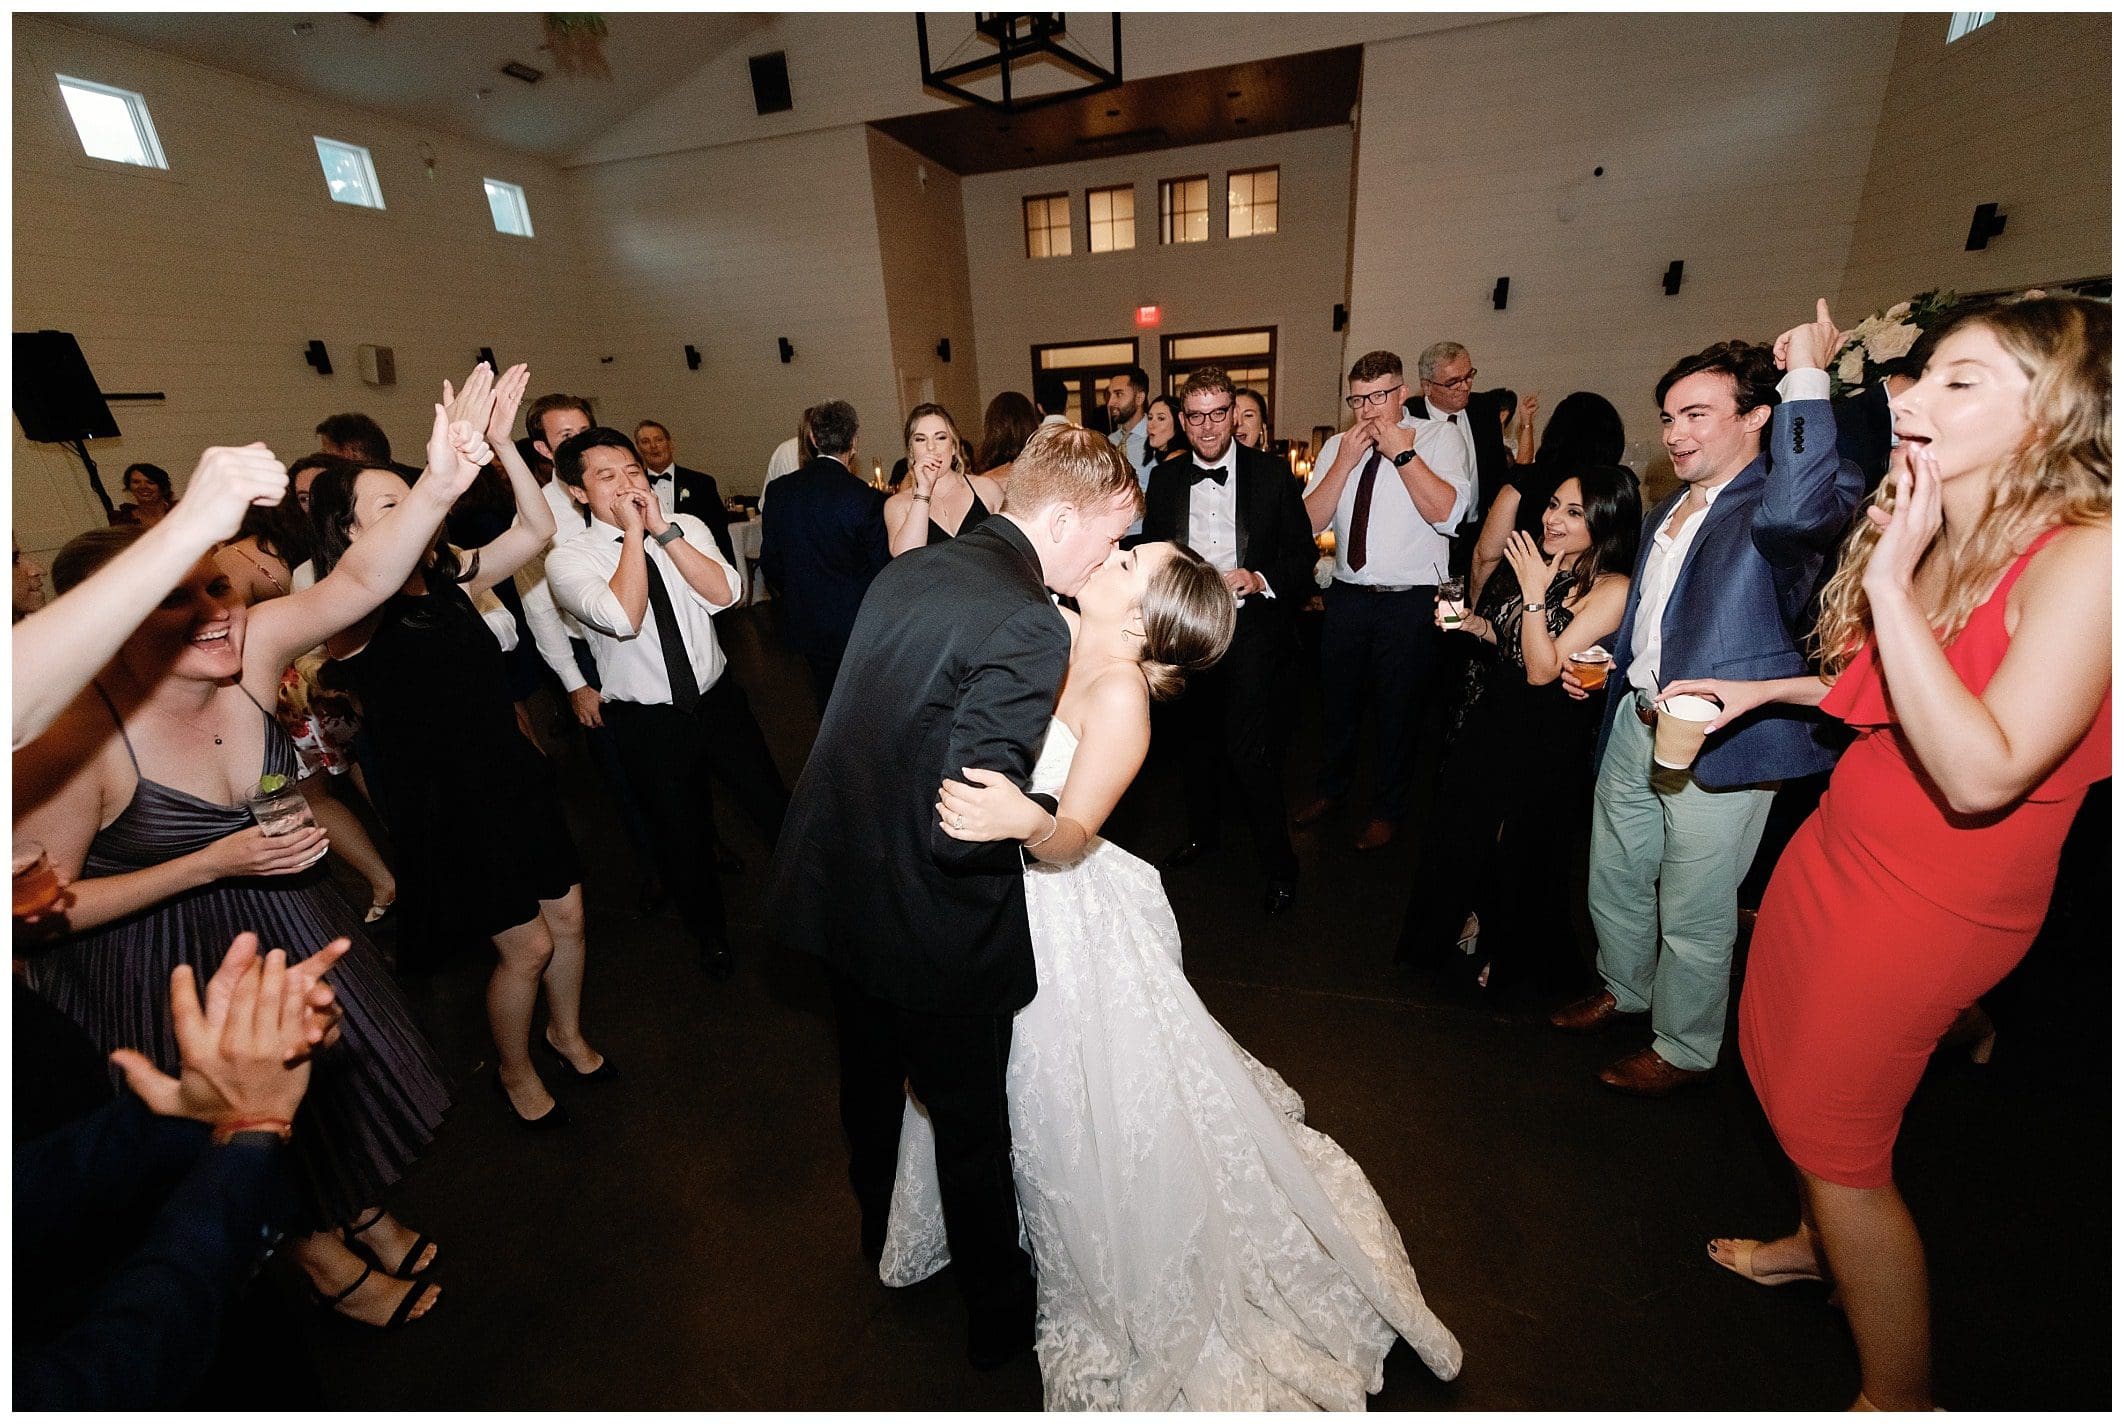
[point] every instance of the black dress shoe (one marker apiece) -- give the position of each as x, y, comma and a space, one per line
1281, 896
555, 1116
602, 1073
1188, 853
728, 861
716, 963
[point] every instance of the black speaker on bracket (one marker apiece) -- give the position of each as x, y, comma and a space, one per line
1498, 292
1671, 283
1342, 316
56, 395
944, 351
1988, 222
693, 357
770, 83
316, 356
486, 354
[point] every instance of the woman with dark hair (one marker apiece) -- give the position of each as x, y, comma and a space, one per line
944, 498
1261, 1270
1583, 430
139, 791
1965, 636
151, 495
1163, 435
1513, 803
435, 696
1250, 419
269, 545
1005, 427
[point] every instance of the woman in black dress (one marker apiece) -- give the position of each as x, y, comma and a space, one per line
1487, 911
943, 498
1583, 430
138, 792
483, 846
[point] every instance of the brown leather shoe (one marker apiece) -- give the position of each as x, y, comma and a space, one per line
1313, 814
1647, 1075
1588, 1014
1376, 834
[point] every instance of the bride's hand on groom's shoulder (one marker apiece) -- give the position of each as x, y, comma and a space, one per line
986, 807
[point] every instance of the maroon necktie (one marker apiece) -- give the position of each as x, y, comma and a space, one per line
1361, 519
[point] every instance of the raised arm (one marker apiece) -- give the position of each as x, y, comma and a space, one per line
533, 529
707, 577
1438, 487
1005, 703
1811, 491
1332, 474
1490, 543
1115, 740
61, 646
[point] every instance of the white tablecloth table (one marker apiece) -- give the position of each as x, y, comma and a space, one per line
745, 544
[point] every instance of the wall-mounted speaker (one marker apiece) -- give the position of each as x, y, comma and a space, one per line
378, 366
1342, 316
693, 357
56, 395
1987, 223
486, 354
944, 351
770, 83
316, 356
788, 351
1671, 283
1498, 293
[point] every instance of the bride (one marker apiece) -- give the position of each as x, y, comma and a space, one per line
1197, 1245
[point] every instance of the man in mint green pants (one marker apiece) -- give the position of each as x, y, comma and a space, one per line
1726, 571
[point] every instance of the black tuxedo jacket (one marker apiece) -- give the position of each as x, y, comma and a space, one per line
955, 661
698, 495
822, 543
1863, 431
1275, 536
1493, 463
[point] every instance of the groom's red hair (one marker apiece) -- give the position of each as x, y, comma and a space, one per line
1067, 464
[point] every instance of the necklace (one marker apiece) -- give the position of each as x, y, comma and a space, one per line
185, 721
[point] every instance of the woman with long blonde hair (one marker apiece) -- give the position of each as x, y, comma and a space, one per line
944, 497
1965, 638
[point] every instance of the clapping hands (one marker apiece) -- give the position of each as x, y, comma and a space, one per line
457, 443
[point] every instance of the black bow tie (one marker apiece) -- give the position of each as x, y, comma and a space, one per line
1200, 474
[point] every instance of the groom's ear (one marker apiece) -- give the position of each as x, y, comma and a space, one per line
1061, 518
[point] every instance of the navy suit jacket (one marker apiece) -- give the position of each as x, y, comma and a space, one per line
1740, 603
821, 543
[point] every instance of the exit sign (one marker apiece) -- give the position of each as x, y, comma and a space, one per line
1146, 316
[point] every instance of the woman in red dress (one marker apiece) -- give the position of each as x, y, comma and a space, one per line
1967, 633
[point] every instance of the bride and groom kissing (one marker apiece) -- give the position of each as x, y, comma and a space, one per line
1022, 1059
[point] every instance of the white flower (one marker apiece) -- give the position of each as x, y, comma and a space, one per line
1897, 312
1851, 370
1893, 342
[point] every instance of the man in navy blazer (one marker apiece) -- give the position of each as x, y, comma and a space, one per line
1725, 578
821, 544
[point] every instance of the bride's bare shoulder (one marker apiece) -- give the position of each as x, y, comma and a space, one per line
1119, 694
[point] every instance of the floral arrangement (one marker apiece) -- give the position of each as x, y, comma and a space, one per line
1885, 336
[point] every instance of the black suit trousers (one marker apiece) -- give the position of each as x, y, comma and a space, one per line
956, 1064
671, 760
1233, 722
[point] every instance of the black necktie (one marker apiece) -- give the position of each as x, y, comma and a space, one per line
678, 667
1201, 474
1361, 516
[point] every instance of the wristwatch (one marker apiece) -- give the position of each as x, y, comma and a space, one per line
671, 531
1404, 457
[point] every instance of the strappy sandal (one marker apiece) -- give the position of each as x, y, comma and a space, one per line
1743, 1264
416, 1291
406, 1270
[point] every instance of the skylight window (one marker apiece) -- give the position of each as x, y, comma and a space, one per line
1968, 22
113, 123
512, 214
349, 174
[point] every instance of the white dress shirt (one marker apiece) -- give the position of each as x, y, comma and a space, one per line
782, 462
1402, 549
665, 483
1459, 424
1663, 565
1213, 510
630, 660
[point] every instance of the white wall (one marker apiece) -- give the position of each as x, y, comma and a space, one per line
207, 281
1737, 143
1290, 279
928, 295
729, 248
2016, 114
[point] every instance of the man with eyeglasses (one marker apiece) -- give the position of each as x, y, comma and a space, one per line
1238, 508
1393, 487
1447, 374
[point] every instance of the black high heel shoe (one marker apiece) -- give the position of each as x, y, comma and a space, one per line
602, 1073
555, 1116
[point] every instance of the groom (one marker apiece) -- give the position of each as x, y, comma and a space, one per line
955, 661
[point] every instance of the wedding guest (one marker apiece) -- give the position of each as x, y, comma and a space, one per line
1164, 437
1488, 910
680, 490
790, 456
647, 589
1726, 567
354, 436
1239, 509
822, 544
1446, 374
261, 559
1967, 639
1127, 415
436, 699
944, 498
1504, 402
1392, 488
1007, 424
1583, 430
1250, 419
29, 585
1522, 440
138, 792
150, 496
1051, 398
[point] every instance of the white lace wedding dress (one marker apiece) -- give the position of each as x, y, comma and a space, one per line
1197, 1245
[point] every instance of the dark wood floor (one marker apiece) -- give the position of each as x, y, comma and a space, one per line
689, 1240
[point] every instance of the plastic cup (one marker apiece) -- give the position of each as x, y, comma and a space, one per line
1677, 739
1452, 607
1590, 667
36, 883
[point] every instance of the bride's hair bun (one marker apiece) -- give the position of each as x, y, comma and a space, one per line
1188, 617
